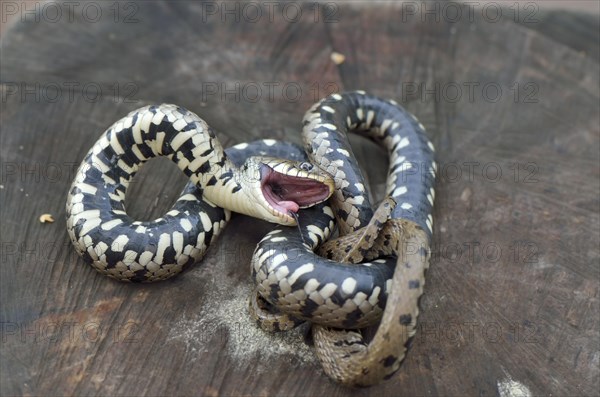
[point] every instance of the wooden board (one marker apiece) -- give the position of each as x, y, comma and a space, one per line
511, 302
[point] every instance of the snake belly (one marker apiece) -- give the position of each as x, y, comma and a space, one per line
299, 289
128, 250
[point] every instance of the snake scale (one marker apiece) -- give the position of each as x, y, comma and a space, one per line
253, 180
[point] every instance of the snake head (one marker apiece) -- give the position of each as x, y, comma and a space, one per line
282, 187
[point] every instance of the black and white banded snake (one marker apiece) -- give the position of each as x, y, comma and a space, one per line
288, 274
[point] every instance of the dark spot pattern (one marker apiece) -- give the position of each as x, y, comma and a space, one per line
405, 319
414, 284
389, 361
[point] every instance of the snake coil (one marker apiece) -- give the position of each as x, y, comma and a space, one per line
330, 294
288, 273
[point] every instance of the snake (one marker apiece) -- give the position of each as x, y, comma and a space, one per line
337, 298
116, 245
289, 274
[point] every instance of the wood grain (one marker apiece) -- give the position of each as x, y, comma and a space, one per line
511, 301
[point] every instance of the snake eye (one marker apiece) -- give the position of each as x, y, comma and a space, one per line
306, 166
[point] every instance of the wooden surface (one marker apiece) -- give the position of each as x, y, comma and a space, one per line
511, 302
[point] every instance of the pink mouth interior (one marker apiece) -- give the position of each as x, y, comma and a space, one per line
290, 193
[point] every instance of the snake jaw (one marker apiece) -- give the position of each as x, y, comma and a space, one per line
287, 192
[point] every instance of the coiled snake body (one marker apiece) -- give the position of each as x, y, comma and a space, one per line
289, 275
331, 294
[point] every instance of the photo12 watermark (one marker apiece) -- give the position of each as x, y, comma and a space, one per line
477, 332
69, 91
70, 11
69, 331
270, 11
469, 11
470, 92
485, 252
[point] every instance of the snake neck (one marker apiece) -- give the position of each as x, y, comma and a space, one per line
190, 143
196, 151
228, 186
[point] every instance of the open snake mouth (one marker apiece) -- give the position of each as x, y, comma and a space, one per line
286, 193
